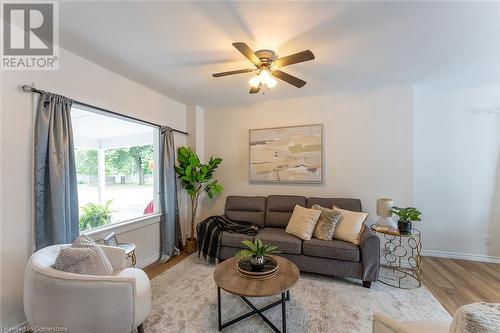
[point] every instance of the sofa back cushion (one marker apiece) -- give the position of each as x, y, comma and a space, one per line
279, 209
342, 203
247, 209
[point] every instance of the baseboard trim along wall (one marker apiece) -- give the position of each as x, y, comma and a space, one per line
464, 256
148, 261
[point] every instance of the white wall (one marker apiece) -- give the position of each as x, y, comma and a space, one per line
457, 170
368, 145
84, 81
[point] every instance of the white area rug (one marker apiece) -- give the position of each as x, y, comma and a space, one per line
185, 300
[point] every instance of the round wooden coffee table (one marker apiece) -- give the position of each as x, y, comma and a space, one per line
227, 278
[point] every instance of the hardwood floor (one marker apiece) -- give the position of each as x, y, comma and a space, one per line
453, 282
157, 268
457, 282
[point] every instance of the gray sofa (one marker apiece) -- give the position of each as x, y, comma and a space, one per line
336, 258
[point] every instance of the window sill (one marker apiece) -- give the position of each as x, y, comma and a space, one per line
122, 227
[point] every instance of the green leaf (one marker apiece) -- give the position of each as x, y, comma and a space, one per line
244, 254
183, 151
249, 244
194, 160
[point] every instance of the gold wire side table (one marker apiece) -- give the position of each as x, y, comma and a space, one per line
403, 261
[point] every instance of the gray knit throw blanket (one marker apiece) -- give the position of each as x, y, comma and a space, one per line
210, 232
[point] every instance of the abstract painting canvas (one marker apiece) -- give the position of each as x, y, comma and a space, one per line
287, 154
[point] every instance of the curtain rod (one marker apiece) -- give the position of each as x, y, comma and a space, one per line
30, 89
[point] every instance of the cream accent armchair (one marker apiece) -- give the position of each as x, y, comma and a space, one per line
385, 324
474, 317
85, 303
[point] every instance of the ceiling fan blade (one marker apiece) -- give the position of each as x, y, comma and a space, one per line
247, 52
294, 58
254, 90
239, 71
289, 78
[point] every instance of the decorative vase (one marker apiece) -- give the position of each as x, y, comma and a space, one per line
404, 227
257, 263
191, 245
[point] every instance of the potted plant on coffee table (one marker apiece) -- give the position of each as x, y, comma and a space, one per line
256, 252
406, 217
196, 178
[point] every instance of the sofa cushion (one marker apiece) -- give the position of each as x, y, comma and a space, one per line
233, 239
247, 209
286, 243
279, 209
333, 249
342, 203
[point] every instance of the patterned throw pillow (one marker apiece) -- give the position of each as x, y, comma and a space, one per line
83, 257
84, 241
326, 223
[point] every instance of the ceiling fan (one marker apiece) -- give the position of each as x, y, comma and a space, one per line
267, 67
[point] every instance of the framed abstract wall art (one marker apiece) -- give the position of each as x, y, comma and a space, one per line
287, 154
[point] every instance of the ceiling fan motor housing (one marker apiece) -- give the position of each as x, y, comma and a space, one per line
266, 57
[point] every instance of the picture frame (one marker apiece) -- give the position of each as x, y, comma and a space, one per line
287, 154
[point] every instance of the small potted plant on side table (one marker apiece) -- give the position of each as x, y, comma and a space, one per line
256, 251
406, 217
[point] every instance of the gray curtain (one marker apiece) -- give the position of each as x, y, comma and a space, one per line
170, 228
56, 196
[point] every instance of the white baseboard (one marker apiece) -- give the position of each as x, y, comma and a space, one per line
464, 256
148, 261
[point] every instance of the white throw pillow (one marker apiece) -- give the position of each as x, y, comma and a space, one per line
303, 222
350, 226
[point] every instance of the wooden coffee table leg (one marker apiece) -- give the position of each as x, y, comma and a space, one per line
283, 310
218, 309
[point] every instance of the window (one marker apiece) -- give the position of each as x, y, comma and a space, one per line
115, 166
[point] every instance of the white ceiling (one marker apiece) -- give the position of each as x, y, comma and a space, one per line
174, 47
92, 130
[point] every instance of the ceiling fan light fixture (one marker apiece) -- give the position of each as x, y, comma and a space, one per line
254, 81
271, 82
266, 66
264, 76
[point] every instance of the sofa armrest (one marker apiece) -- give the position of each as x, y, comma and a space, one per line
370, 254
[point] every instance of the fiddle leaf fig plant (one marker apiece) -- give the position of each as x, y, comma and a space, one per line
408, 214
256, 248
196, 177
